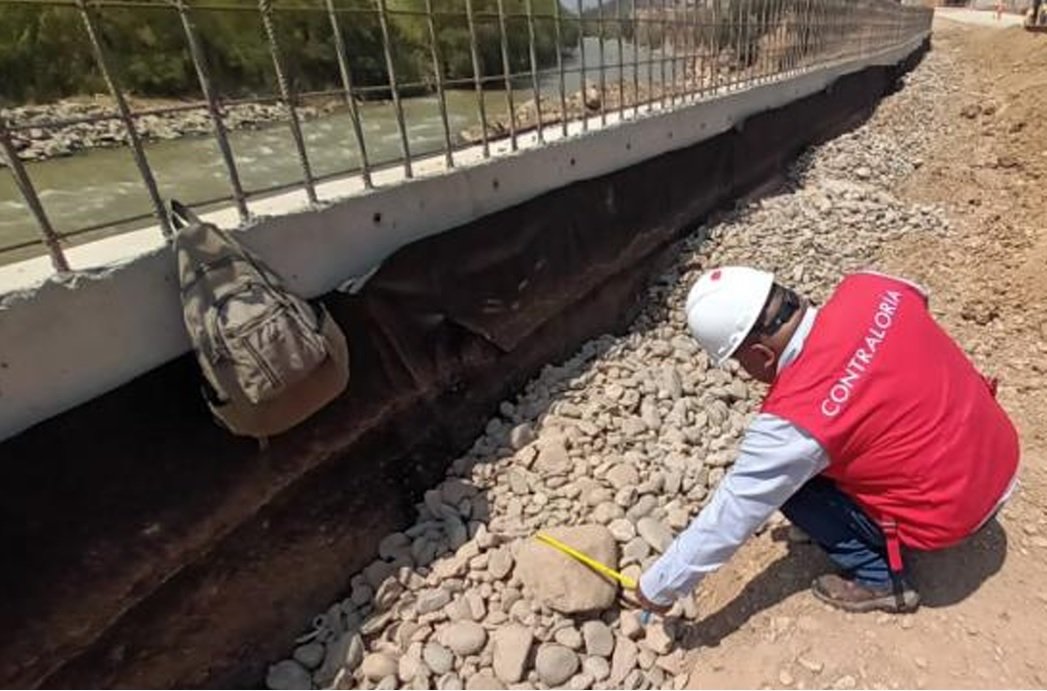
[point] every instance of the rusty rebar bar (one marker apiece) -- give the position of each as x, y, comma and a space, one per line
346, 74
48, 235
288, 98
529, 5
401, 125
196, 54
438, 75
474, 52
503, 37
125, 115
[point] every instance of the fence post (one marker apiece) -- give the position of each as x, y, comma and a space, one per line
636, 60
25, 186
125, 115
581, 68
474, 52
529, 5
438, 74
265, 9
507, 74
559, 68
347, 84
196, 54
621, 62
405, 146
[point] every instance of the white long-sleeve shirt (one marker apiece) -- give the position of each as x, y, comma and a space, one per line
775, 459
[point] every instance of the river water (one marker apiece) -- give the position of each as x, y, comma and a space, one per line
103, 185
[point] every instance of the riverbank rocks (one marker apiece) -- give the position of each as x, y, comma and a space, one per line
288, 674
552, 458
599, 639
378, 666
623, 660
655, 533
438, 658
463, 637
562, 583
512, 651
40, 143
612, 451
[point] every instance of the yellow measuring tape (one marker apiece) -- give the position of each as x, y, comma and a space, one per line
628, 583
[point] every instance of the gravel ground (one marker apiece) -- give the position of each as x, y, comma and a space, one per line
617, 449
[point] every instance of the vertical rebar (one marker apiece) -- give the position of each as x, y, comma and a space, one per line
474, 52
265, 9
196, 54
650, 57
438, 74
621, 62
699, 52
805, 36
767, 42
684, 30
675, 55
685, 56
691, 66
636, 60
661, 51
783, 38
603, 64
778, 13
717, 30
125, 115
387, 48
350, 100
507, 74
745, 37
529, 6
736, 48
816, 33
50, 238
581, 68
559, 67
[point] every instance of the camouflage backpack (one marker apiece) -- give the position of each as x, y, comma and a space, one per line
269, 358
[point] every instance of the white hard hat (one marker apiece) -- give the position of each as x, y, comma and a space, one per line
723, 306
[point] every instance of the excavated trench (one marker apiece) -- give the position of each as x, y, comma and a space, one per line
145, 547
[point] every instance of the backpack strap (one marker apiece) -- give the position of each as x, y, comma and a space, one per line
180, 215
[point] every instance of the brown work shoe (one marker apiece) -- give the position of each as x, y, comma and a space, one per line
854, 597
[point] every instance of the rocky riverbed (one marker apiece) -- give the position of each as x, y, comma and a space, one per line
613, 451
36, 141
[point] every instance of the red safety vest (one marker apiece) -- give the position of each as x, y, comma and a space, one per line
913, 432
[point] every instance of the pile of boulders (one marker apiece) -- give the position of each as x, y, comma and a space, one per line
36, 140
612, 452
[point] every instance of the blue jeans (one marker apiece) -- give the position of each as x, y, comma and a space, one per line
839, 526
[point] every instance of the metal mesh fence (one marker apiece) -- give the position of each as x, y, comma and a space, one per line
351, 87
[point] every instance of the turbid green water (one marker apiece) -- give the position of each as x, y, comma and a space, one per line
103, 185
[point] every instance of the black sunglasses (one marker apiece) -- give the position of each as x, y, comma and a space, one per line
790, 303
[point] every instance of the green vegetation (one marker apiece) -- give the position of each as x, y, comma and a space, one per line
45, 53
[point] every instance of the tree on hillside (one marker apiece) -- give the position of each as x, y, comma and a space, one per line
150, 56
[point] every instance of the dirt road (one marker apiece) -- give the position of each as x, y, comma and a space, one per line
982, 625
985, 18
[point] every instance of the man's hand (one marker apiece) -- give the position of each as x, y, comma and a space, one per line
647, 605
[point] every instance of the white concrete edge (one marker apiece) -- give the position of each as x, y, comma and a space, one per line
64, 341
